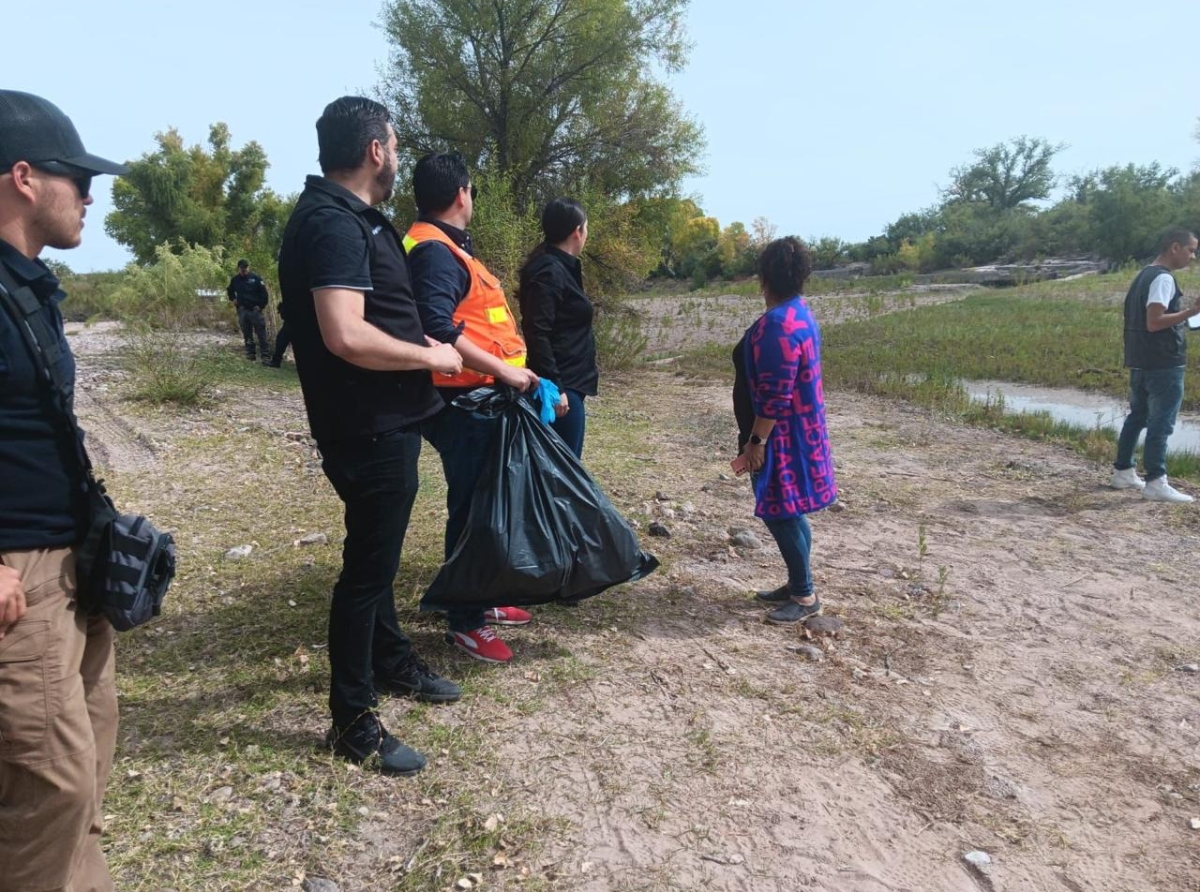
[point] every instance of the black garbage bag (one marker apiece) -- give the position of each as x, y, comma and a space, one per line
540, 530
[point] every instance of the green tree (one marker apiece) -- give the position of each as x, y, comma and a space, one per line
213, 197
735, 247
553, 95
912, 226
1128, 207
660, 219
827, 251
972, 233
1006, 176
696, 247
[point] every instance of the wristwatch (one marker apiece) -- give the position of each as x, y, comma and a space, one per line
756, 439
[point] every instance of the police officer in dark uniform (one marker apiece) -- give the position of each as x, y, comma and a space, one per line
58, 698
248, 293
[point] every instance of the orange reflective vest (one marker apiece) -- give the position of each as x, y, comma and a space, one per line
484, 314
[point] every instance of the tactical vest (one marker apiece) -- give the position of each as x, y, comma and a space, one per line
1145, 349
483, 315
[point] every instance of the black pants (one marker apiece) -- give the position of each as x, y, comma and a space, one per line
253, 324
376, 479
282, 339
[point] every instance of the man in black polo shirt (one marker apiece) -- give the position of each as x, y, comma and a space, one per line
58, 698
364, 367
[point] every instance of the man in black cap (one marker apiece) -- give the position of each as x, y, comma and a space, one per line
58, 701
248, 293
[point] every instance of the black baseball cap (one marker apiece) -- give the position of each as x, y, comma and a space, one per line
35, 130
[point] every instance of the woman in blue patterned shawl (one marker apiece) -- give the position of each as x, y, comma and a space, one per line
780, 408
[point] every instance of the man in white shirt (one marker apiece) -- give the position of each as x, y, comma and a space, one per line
1156, 356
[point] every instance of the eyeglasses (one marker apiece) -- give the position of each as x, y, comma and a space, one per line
81, 178
474, 190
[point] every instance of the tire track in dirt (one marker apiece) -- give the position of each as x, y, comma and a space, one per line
112, 441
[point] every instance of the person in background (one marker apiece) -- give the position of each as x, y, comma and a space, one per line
783, 441
463, 304
556, 316
364, 369
282, 339
1156, 356
249, 295
58, 695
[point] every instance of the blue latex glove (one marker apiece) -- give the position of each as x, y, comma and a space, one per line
549, 396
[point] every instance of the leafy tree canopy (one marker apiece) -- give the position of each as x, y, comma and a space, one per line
1006, 176
212, 197
552, 95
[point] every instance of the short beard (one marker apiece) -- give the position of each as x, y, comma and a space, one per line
51, 227
386, 179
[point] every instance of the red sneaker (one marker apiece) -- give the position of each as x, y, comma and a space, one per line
507, 616
482, 644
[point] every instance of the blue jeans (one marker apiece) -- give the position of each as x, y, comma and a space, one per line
1154, 399
376, 479
794, 538
570, 426
463, 439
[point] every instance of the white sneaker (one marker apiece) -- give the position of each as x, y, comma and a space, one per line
1159, 490
1127, 479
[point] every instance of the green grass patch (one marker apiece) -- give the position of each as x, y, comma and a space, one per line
1005, 336
1026, 336
164, 369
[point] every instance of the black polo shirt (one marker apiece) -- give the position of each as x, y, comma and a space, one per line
335, 240
39, 508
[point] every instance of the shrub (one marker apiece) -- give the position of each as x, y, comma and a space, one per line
169, 293
164, 370
90, 295
620, 340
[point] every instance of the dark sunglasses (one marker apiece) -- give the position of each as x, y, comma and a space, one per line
474, 191
81, 178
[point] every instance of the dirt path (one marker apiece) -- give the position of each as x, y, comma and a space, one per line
1009, 678
1029, 705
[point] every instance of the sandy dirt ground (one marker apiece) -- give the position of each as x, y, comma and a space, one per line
1014, 671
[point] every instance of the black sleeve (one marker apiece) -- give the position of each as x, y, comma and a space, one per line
439, 285
336, 253
229, 290
540, 293
264, 297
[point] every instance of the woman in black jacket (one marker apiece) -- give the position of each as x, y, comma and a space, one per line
556, 316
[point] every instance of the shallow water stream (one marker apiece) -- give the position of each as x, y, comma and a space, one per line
1079, 407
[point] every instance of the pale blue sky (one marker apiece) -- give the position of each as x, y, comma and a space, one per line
829, 118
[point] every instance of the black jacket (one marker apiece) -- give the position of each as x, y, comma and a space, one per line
556, 320
40, 501
247, 291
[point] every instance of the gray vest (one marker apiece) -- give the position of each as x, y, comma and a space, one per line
1145, 349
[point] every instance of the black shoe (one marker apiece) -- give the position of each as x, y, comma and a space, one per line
273, 364
415, 679
367, 742
793, 612
778, 596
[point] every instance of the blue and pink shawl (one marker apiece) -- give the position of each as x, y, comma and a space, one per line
783, 368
